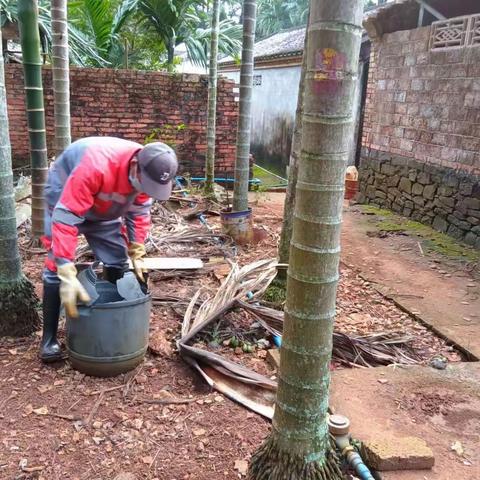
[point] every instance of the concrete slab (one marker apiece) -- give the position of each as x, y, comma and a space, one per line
441, 407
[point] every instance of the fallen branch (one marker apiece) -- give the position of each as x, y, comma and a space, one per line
242, 384
94, 409
166, 401
106, 390
71, 418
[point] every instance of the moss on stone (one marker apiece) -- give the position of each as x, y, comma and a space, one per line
373, 210
276, 293
431, 239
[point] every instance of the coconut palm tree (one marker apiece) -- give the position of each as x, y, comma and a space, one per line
289, 204
299, 444
277, 15
212, 100
19, 315
188, 22
32, 67
82, 49
242, 161
60, 75
102, 21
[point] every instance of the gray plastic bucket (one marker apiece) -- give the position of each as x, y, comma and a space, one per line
110, 336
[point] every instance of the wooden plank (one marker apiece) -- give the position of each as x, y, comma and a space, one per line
171, 263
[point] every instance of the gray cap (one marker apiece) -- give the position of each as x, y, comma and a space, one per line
158, 166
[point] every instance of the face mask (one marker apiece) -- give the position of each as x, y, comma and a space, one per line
135, 183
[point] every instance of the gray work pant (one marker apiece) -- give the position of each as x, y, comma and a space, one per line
106, 239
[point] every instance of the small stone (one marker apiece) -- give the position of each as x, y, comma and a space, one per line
417, 189
439, 362
241, 466
97, 425
405, 185
407, 453
429, 192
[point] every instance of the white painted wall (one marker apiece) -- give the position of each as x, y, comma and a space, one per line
274, 105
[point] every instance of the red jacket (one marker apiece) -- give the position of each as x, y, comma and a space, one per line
89, 181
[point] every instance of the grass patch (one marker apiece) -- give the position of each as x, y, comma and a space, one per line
389, 226
373, 210
276, 293
267, 178
431, 240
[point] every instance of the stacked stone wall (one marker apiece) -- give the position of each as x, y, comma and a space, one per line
421, 136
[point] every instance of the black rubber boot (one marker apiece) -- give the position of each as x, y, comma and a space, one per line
50, 350
112, 274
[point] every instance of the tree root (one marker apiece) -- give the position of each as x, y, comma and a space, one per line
271, 463
18, 304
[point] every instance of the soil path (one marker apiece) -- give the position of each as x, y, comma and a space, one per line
442, 407
440, 292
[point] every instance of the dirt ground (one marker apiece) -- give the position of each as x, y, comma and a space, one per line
56, 423
442, 407
443, 290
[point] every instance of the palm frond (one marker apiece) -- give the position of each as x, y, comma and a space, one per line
126, 8
100, 20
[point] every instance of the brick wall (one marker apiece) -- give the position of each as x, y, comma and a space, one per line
132, 104
421, 138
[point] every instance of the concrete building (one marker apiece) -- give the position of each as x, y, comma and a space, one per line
276, 79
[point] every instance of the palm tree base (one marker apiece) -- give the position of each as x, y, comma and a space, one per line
269, 462
18, 302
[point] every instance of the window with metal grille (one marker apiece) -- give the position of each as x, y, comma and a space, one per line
257, 80
455, 32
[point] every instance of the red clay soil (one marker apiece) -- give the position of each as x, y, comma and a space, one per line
441, 407
443, 292
56, 423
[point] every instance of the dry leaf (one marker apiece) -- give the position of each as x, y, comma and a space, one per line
57, 383
457, 447
13, 351
28, 409
198, 432
41, 411
241, 466
148, 460
163, 395
43, 388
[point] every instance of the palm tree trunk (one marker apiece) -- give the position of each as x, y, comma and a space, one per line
32, 67
242, 162
19, 316
289, 204
212, 100
299, 445
171, 51
60, 73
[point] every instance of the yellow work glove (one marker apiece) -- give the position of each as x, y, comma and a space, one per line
71, 290
136, 252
